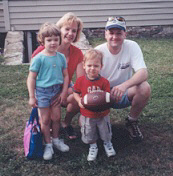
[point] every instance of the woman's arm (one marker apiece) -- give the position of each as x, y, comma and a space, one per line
79, 70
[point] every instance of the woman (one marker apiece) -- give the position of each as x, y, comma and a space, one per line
71, 28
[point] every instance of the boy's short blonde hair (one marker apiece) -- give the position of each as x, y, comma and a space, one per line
47, 30
70, 18
92, 54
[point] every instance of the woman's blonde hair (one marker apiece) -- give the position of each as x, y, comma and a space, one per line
47, 30
70, 18
92, 54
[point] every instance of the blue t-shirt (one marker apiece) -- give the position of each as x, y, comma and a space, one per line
49, 69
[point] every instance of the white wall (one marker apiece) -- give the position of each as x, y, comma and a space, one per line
30, 14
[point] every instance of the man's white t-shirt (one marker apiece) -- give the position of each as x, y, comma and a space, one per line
119, 68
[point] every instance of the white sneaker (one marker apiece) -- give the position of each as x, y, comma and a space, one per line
59, 144
109, 149
48, 152
93, 151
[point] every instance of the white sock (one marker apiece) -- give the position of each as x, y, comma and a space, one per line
93, 145
49, 144
131, 118
55, 139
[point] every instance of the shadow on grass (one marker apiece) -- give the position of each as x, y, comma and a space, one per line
120, 138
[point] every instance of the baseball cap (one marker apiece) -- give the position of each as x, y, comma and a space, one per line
116, 22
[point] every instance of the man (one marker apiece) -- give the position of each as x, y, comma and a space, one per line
124, 67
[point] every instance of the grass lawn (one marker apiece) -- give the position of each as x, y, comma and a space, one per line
152, 157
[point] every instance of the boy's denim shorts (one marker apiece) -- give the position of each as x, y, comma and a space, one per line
123, 103
45, 95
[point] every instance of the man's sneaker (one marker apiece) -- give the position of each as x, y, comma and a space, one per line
134, 131
59, 144
109, 149
48, 152
93, 151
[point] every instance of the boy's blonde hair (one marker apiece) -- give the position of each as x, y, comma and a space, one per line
70, 18
92, 54
47, 30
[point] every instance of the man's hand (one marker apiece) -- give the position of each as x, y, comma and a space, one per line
118, 91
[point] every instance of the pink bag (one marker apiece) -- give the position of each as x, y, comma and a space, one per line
33, 147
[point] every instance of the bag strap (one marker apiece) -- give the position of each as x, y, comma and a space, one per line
34, 115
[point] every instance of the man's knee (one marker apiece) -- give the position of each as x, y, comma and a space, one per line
144, 89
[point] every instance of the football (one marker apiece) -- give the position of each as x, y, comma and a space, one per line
97, 101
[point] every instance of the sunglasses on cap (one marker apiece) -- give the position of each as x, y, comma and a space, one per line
116, 18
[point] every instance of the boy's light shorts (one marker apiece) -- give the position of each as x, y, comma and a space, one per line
45, 95
123, 103
91, 127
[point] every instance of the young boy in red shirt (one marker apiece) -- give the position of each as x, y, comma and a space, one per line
93, 123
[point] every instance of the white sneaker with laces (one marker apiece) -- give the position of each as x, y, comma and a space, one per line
109, 149
93, 151
48, 152
59, 144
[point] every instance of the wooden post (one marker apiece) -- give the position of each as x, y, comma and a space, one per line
6, 15
29, 45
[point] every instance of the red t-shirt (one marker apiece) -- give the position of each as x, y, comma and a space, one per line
83, 86
75, 57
